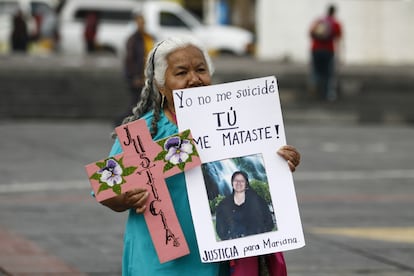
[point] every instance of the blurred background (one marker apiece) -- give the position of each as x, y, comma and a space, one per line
375, 32
60, 100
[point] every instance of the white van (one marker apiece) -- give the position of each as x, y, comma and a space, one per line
163, 19
29, 8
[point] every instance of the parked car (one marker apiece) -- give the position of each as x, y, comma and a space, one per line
163, 19
32, 10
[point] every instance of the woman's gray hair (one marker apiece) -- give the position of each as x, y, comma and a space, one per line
161, 51
155, 69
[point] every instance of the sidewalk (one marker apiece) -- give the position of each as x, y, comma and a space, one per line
352, 178
20, 256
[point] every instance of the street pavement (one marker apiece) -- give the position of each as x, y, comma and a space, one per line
354, 187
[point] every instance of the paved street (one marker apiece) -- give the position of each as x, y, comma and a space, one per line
355, 191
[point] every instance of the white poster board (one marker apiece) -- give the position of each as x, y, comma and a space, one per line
238, 126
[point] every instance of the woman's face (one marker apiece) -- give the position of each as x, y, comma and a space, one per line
186, 68
239, 183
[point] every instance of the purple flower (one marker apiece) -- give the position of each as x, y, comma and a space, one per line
177, 151
111, 174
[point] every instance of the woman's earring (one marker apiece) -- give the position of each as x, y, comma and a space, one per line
162, 100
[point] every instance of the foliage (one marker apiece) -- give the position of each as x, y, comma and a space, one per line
215, 202
262, 189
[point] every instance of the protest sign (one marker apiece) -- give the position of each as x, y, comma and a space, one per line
238, 127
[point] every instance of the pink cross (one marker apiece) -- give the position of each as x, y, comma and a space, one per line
145, 163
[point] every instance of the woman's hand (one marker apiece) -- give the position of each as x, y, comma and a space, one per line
291, 155
134, 199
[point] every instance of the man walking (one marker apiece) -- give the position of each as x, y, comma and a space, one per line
137, 48
325, 34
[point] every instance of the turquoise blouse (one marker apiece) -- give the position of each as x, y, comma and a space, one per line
140, 257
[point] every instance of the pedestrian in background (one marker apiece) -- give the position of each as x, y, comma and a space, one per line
138, 45
19, 37
49, 31
325, 33
90, 31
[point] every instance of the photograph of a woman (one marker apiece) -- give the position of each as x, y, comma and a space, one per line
242, 210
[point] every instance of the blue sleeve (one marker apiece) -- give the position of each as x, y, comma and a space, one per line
116, 148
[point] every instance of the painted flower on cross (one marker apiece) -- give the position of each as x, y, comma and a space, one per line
111, 174
177, 151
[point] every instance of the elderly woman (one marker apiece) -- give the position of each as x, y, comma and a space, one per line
172, 64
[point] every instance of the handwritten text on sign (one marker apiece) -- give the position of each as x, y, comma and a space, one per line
238, 126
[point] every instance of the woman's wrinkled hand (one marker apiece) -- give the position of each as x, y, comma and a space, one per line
291, 155
136, 199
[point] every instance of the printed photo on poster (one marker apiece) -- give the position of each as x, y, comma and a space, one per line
239, 197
